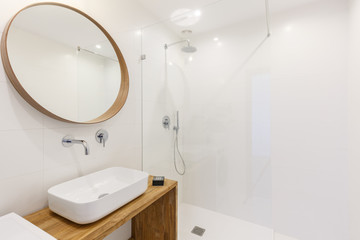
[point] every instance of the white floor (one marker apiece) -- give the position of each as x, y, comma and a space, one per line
218, 226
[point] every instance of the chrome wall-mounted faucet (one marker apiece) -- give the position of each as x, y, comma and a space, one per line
68, 141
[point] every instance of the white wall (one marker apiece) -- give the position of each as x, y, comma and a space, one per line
158, 142
98, 84
212, 92
32, 158
308, 114
354, 119
309, 121
226, 173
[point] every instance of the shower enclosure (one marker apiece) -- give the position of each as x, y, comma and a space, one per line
263, 124
209, 74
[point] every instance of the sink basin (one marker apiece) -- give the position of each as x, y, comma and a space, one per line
14, 227
87, 199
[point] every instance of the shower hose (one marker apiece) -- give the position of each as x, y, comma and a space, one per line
176, 149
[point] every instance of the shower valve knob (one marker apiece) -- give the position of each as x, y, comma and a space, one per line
101, 136
166, 122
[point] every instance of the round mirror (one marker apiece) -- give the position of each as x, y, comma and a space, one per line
64, 63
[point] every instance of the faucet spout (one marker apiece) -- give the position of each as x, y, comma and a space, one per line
84, 143
86, 146
68, 141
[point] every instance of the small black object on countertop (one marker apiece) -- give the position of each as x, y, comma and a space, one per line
158, 181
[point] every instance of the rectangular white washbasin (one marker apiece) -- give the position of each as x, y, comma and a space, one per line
14, 227
87, 199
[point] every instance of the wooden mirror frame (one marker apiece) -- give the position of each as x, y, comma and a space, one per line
124, 86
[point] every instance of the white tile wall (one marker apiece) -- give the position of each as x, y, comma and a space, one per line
17, 114
217, 122
63, 156
309, 131
23, 194
14, 158
309, 135
32, 158
157, 102
59, 174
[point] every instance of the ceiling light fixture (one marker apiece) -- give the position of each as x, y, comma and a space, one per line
197, 13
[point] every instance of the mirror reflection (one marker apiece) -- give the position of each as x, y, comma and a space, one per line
64, 62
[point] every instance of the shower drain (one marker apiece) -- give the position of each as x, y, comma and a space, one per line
198, 231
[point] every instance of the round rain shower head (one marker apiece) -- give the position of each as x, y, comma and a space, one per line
188, 49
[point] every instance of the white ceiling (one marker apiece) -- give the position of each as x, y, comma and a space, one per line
283, 5
216, 13
162, 9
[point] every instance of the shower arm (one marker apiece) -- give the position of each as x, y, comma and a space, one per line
166, 46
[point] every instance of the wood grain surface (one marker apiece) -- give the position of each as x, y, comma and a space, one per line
161, 201
159, 219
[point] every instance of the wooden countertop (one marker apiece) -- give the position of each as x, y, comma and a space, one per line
62, 228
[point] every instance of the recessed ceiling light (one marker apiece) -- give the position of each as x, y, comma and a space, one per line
98, 46
216, 39
197, 13
288, 28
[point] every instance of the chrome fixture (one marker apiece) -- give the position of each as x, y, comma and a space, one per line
79, 49
68, 141
102, 136
176, 147
177, 127
188, 48
166, 122
186, 32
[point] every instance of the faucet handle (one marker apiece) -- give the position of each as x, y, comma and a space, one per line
67, 141
101, 136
